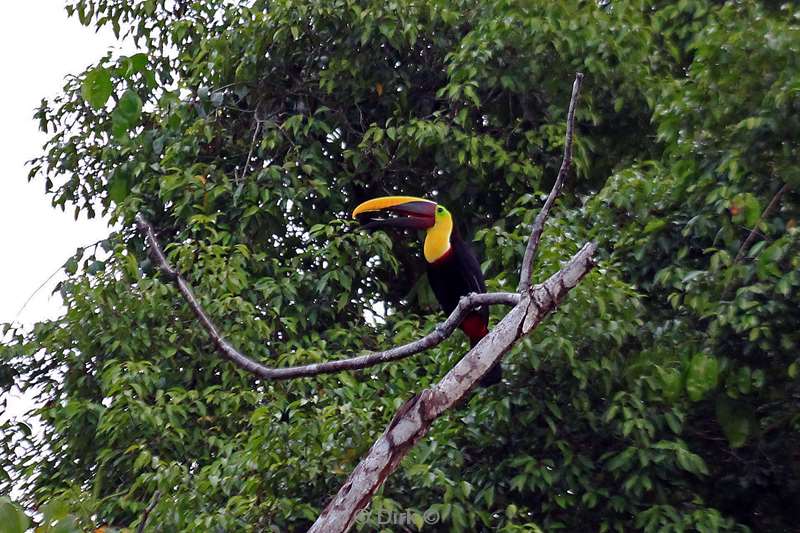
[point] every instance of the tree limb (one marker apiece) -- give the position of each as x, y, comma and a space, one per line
415, 417
566, 164
148, 510
437, 336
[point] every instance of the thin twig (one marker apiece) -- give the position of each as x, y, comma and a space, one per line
148, 510
50, 277
748, 242
437, 336
751, 237
35, 292
566, 164
252, 146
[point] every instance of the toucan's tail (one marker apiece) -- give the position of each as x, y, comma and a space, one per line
495, 374
476, 327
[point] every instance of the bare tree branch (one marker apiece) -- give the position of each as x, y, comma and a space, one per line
442, 331
148, 510
414, 418
240, 179
566, 164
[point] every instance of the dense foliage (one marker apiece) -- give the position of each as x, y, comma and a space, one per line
662, 396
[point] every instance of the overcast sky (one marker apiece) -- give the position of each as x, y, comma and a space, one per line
40, 47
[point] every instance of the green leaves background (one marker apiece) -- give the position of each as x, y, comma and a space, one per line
662, 395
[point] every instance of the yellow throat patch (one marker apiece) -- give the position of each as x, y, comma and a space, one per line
437, 239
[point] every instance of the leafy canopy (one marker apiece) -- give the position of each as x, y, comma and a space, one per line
662, 396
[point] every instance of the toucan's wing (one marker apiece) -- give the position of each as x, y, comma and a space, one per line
470, 270
470, 267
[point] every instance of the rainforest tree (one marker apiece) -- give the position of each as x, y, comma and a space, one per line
663, 395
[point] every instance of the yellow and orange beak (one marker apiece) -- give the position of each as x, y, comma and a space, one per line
397, 212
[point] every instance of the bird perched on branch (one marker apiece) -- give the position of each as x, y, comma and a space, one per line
453, 269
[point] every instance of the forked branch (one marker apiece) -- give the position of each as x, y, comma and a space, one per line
415, 417
226, 350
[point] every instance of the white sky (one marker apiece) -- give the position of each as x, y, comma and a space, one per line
40, 47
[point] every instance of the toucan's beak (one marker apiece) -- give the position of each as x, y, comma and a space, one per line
397, 212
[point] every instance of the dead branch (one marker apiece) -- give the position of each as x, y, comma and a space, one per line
566, 164
149, 509
751, 237
437, 336
415, 417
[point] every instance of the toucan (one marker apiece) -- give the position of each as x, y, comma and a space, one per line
453, 269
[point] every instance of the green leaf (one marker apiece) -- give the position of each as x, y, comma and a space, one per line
129, 107
71, 266
66, 525
671, 383
767, 262
131, 266
736, 419
119, 126
135, 63
95, 267
55, 510
746, 209
118, 188
621, 460
126, 115
12, 517
655, 225
702, 375
97, 87
691, 462
673, 422
142, 460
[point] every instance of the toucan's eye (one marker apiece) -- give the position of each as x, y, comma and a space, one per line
440, 209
